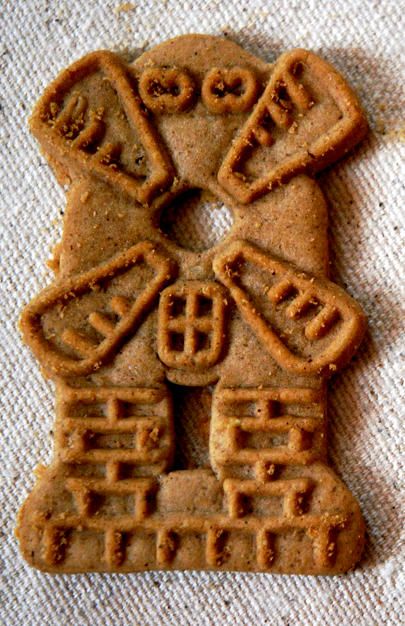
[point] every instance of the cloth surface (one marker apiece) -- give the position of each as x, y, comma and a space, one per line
364, 40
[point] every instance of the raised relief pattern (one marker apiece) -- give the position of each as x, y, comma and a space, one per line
116, 496
101, 439
167, 90
191, 326
233, 90
115, 427
103, 306
287, 130
80, 117
259, 429
309, 325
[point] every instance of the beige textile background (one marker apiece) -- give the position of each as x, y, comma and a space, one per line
364, 39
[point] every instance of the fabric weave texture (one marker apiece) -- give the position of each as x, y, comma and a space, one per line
364, 40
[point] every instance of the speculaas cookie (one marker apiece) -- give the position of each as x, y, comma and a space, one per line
255, 315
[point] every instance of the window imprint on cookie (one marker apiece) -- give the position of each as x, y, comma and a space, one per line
232, 90
191, 324
166, 90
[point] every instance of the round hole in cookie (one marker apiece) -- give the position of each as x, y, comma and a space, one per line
196, 220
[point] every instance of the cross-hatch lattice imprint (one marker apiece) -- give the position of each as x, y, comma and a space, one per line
191, 325
297, 413
115, 507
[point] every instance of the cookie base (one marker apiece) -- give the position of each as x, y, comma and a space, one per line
191, 520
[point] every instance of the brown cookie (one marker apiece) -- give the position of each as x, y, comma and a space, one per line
131, 311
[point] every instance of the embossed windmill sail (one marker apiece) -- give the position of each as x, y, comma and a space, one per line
115, 497
306, 118
309, 325
91, 119
102, 307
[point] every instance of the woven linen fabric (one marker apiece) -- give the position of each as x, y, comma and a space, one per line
364, 40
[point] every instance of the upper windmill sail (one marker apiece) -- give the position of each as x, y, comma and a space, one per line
92, 120
308, 324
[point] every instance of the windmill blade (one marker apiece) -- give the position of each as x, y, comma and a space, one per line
75, 326
91, 119
309, 325
306, 118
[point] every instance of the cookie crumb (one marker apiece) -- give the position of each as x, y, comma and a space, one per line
125, 7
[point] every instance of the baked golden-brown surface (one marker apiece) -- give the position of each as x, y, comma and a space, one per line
131, 311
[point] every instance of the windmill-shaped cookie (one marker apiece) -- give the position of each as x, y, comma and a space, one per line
132, 313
